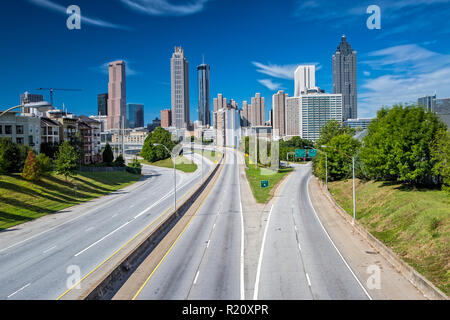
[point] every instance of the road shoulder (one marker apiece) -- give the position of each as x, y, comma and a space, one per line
359, 254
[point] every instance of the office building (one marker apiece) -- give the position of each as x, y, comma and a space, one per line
102, 104
316, 110
278, 118
428, 102
27, 98
358, 123
258, 116
204, 95
345, 78
166, 118
117, 100
218, 103
155, 124
442, 109
293, 116
135, 115
245, 114
179, 70
228, 127
304, 78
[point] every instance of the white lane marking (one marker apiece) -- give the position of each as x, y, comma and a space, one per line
98, 241
89, 229
115, 215
329, 238
207, 243
261, 254
214, 226
19, 290
132, 206
49, 249
307, 278
295, 227
299, 248
196, 277
242, 233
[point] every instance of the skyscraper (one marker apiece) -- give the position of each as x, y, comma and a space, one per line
258, 116
245, 114
219, 103
279, 113
204, 96
429, 102
166, 118
344, 78
305, 78
117, 97
179, 70
102, 104
292, 115
135, 115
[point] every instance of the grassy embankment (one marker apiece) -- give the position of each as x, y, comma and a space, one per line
254, 177
415, 223
181, 163
21, 202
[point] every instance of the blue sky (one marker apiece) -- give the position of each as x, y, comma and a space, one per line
251, 45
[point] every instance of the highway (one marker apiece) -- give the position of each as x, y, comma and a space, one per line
298, 260
39, 260
207, 260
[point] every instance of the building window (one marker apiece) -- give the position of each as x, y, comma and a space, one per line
30, 141
19, 140
1, 129
19, 129
8, 129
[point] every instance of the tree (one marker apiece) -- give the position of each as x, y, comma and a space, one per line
108, 156
66, 162
119, 162
340, 151
31, 168
398, 145
12, 156
440, 153
45, 164
49, 149
332, 129
153, 153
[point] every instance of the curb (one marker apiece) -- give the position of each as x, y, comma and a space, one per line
429, 290
107, 278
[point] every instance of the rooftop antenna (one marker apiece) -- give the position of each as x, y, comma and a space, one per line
203, 57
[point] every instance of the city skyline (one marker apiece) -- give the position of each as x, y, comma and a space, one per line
264, 69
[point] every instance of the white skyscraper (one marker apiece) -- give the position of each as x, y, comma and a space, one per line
179, 68
305, 78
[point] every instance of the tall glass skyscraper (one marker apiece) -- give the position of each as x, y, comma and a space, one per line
344, 78
179, 70
135, 115
102, 103
204, 96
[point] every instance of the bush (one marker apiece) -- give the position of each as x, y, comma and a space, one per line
120, 161
12, 156
108, 156
31, 168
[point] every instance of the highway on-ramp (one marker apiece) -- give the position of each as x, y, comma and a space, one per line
42, 259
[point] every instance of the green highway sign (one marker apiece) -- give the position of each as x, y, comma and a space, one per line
312, 153
264, 183
300, 153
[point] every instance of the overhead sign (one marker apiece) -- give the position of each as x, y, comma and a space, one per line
264, 183
312, 153
300, 153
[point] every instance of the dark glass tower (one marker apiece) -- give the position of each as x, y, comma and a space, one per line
102, 103
204, 96
344, 78
135, 116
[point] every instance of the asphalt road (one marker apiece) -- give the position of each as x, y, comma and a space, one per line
298, 260
207, 260
38, 262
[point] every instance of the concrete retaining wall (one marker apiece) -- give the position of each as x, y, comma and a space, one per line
429, 290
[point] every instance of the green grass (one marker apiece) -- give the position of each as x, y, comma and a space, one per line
415, 223
254, 177
211, 155
21, 202
181, 163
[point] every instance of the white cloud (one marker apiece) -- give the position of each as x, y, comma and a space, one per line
85, 19
280, 71
366, 73
269, 84
410, 72
165, 8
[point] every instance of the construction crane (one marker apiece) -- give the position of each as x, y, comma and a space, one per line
51, 90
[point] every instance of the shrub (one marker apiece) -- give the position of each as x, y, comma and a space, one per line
45, 164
